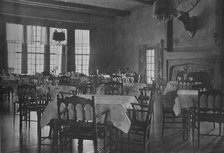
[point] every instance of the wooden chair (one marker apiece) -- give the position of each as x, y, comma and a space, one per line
28, 101
77, 119
208, 108
33, 80
4, 99
43, 101
185, 85
116, 78
146, 94
113, 88
64, 80
140, 117
168, 115
90, 88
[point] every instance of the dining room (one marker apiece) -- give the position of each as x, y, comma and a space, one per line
114, 76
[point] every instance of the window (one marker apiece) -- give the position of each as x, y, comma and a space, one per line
150, 65
36, 39
14, 41
82, 51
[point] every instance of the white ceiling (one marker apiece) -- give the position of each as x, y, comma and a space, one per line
113, 4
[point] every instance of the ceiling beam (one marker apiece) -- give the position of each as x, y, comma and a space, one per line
71, 7
150, 2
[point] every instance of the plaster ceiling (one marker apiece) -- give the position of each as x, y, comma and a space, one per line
97, 7
112, 4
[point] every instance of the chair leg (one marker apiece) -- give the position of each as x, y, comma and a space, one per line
20, 121
163, 125
198, 134
220, 128
129, 142
80, 145
193, 128
39, 129
14, 112
95, 145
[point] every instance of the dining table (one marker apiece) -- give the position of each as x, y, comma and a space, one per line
116, 104
54, 90
184, 100
130, 89
170, 86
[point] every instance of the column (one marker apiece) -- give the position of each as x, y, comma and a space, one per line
47, 52
24, 51
71, 50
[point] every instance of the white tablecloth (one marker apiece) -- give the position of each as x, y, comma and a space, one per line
131, 88
54, 90
171, 86
185, 99
117, 105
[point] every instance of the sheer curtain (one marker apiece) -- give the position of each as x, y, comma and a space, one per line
15, 40
82, 50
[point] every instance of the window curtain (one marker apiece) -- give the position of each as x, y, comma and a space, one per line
142, 63
14, 33
33, 33
14, 37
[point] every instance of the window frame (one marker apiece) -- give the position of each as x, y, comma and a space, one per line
151, 65
82, 68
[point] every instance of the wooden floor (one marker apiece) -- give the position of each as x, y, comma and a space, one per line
12, 142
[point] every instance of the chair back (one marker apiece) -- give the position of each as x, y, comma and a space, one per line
168, 100
64, 80
185, 85
77, 111
210, 100
44, 99
27, 90
33, 80
146, 94
27, 95
113, 88
116, 78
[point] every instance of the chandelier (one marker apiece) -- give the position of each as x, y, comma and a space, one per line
165, 9
59, 35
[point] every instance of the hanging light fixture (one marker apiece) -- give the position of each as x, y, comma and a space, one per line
59, 35
165, 9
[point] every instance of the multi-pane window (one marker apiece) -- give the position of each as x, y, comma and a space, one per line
14, 42
82, 50
35, 58
36, 39
150, 65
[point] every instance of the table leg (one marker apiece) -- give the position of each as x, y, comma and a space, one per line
80, 145
55, 133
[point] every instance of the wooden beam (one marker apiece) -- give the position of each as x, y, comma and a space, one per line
71, 7
150, 2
